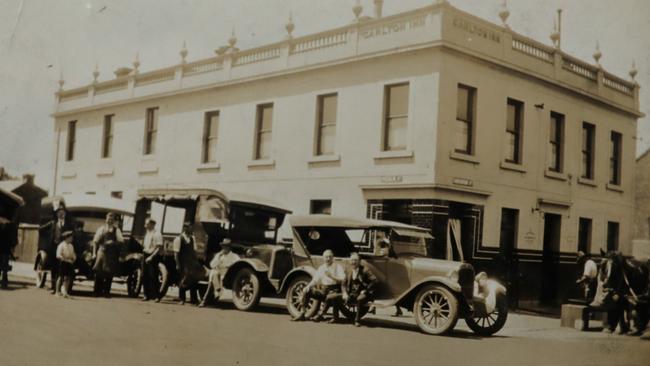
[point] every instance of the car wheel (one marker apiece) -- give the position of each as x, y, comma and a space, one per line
134, 282
294, 298
163, 280
246, 290
491, 323
435, 309
349, 311
41, 273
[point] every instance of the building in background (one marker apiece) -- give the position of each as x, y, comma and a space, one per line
641, 242
28, 215
513, 152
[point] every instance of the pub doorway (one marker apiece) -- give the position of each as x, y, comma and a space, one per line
550, 259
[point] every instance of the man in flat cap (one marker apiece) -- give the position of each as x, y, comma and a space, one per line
52, 233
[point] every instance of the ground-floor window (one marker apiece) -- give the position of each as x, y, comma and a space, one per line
584, 235
612, 235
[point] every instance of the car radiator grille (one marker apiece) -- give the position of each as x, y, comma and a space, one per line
466, 280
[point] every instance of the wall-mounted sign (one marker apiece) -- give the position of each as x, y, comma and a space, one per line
463, 182
529, 237
395, 27
477, 30
391, 179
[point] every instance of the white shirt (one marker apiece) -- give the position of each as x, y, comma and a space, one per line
152, 240
591, 270
103, 229
325, 273
176, 245
222, 260
65, 252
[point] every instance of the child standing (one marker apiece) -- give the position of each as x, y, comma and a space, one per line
66, 256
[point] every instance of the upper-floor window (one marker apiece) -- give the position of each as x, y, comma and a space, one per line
107, 138
615, 158
556, 142
210, 135
396, 109
71, 141
588, 138
263, 131
326, 124
465, 107
151, 131
514, 126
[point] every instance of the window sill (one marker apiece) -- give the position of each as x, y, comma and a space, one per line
587, 182
105, 168
463, 157
207, 167
614, 187
324, 159
262, 163
68, 170
148, 165
555, 175
394, 154
512, 166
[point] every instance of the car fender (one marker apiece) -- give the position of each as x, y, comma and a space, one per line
445, 281
306, 270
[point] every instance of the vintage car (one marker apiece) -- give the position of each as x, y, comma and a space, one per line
439, 292
89, 212
248, 221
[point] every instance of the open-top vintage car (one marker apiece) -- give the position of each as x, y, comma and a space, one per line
250, 222
439, 292
88, 213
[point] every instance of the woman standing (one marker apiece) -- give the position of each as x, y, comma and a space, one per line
106, 251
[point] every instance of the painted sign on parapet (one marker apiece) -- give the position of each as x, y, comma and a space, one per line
395, 27
473, 28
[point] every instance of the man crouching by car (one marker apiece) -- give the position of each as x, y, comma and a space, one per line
324, 287
358, 286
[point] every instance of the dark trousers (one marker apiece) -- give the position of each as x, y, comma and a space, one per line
359, 300
4, 270
66, 276
102, 285
194, 293
616, 315
149, 275
328, 294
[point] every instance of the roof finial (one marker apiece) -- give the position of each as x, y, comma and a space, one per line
290, 26
183, 52
379, 6
504, 13
95, 73
555, 35
597, 54
61, 81
357, 9
136, 62
232, 41
633, 70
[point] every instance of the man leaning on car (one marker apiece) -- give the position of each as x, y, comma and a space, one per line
324, 286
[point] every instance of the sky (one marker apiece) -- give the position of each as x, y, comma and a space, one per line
43, 39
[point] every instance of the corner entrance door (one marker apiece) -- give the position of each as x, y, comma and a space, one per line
550, 258
507, 261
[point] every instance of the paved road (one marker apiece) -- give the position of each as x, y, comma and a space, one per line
38, 329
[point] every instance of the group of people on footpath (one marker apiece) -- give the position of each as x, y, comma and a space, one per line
335, 286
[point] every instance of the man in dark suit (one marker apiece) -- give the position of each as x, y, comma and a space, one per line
55, 230
358, 286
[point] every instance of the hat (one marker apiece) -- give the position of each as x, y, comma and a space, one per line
226, 242
187, 224
60, 208
66, 234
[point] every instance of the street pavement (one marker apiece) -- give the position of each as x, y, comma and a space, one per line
41, 329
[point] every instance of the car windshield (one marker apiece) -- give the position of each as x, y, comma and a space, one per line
408, 245
250, 225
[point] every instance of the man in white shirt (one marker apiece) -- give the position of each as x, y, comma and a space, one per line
324, 286
151, 247
589, 276
218, 267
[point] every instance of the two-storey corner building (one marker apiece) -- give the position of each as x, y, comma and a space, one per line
641, 242
515, 151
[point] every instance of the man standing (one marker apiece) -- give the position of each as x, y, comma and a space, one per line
106, 251
218, 267
358, 286
190, 270
324, 287
47, 248
8, 237
589, 278
151, 246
